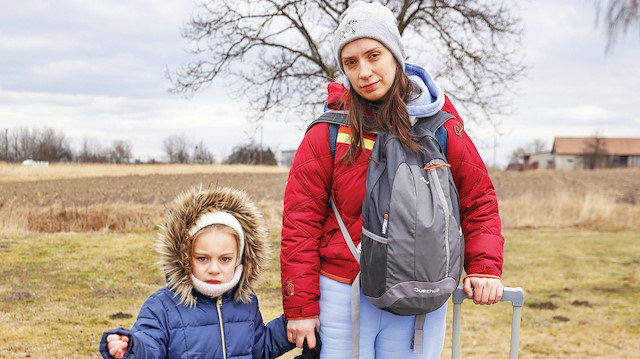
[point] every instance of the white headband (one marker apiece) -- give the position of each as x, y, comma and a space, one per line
221, 217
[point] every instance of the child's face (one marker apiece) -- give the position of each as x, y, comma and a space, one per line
214, 257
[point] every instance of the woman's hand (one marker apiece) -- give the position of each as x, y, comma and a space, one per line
483, 290
299, 329
117, 345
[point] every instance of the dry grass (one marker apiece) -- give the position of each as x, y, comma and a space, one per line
14, 172
123, 202
582, 291
604, 199
124, 197
59, 292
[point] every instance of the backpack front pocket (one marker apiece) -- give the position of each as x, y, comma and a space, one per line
373, 264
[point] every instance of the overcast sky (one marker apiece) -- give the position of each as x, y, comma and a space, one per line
95, 69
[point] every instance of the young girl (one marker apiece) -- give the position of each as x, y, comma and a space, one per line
382, 94
212, 250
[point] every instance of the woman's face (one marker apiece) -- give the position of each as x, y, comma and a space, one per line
214, 256
370, 67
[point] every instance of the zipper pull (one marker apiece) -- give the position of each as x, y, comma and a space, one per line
219, 301
385, 222
436, 165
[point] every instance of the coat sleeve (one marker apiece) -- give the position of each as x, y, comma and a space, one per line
479, 214
270, 339
149, 337
305, 209
104, 350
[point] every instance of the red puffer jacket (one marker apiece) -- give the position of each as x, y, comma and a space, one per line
312, 243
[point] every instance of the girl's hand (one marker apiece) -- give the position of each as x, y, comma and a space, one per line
483, 290
117, 345
299, 329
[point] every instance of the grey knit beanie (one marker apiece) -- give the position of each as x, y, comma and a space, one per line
369, 20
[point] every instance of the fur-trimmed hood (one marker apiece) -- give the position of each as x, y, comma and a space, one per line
174, 242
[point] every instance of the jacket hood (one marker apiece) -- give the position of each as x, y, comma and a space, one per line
174, 242
431, 97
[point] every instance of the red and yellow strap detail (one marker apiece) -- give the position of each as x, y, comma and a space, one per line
345, 137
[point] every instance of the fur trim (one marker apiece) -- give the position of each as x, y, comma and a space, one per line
174, 242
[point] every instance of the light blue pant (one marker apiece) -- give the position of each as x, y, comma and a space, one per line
383, 335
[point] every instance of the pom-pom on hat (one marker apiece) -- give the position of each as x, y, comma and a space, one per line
225, 218
369, 20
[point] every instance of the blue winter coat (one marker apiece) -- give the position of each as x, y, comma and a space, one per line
166, 329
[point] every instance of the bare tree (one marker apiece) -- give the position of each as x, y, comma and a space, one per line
201, 154
4, 145
24, 144
176, 147
121, 151
52, 146
44, 144
252, 154
91, 152
278, 53
596, 154
517, 156
48, 144
537, 145
617, 17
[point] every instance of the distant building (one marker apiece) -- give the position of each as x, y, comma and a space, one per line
541, 160
571, 153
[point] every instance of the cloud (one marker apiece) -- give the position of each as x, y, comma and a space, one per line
96, 69
96, 47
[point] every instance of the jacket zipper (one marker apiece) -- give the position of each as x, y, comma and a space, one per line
218, 306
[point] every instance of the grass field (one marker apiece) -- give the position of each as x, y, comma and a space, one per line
572, 243
59, 292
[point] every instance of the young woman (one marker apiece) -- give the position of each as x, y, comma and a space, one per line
382, 93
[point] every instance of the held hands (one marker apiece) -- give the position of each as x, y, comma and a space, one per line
117, 345
483, 290
299, 329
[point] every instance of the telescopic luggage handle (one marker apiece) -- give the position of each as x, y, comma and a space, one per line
515, 295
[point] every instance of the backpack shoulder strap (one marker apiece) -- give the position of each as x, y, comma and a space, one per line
441, 137
434, 124
335, 119
331, 116
333, 138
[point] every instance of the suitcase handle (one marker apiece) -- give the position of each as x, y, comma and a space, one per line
515, 295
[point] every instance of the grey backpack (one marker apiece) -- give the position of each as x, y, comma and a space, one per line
411, 250
412, 245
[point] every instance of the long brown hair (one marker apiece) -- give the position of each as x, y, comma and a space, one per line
388, 114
